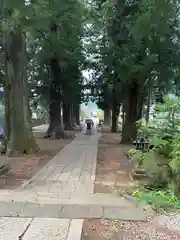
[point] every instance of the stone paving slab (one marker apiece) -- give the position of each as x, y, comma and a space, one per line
75, 230
40, 229
105, 199
39, 210
81, 211
13, 228
72, 211
48, 229
129, 214
11, 209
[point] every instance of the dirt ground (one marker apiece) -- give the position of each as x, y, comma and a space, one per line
113, 168
24, 167
158, 228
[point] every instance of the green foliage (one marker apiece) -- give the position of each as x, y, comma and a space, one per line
163, 128
158, 199
175, 154
156, 168
140, 123
137, 158
156, 27
168, 114
121, 41
38, 19
154, 16
162, 163
131, 152
139, 43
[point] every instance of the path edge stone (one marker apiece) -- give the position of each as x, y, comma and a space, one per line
75, 230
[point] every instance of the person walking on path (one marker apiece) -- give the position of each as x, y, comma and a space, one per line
89, 125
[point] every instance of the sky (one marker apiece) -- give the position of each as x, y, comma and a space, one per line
90, 107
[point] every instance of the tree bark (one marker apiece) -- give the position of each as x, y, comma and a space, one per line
107, 116
77, 114
115, 108
123, 115
67, 120
55, 126
148, 106
115, 114
7, 114
72, 115
19, 128
133, 111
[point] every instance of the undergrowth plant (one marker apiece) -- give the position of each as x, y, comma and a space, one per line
160, 200
175, 154
163, 133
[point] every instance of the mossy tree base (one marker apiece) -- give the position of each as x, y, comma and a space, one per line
68, 126
24, 144
55, 131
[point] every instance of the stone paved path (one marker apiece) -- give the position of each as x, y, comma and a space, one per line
72, 170
53, 203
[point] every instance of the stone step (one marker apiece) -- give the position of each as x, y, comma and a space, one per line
71, 211
67, 198
31, 204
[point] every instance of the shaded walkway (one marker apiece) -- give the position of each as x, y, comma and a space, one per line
53, 204
72, 170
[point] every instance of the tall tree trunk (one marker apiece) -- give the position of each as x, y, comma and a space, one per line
67, 116
20, 132
77, 114
133, 110
115, 114
115, 108
148, 106
123, 115
107, 116
55, 125
72, 115
7, 114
